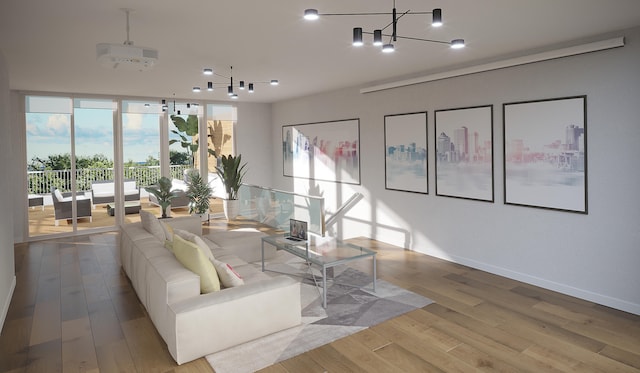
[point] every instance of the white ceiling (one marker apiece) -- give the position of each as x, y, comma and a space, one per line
50, 45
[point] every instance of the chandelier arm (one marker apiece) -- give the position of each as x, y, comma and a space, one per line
417, 39
396, 20
355, 14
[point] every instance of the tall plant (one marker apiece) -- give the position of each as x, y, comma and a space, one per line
188, 132
231, 171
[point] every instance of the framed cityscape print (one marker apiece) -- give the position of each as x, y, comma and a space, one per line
328, 151
405, 143
464, 153
545, 154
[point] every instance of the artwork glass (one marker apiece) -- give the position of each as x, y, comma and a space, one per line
545, 154
464, 153
328, 151
405, 137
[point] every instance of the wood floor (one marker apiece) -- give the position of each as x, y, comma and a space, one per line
74, 310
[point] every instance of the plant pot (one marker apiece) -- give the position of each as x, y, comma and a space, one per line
231, 208
203, 217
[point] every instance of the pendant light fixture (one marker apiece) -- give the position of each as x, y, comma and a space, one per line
231, 86
378, 34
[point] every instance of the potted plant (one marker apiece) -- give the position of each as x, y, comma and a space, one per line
199, 191
163, 193
231, 172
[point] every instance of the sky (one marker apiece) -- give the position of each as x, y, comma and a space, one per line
50, 134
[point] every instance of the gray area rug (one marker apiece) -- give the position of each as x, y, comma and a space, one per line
350, 308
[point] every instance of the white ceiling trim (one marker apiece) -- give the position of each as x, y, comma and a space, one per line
537, 57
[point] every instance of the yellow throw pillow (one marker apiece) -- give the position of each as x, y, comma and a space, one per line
227, 275
192, 257
194, 238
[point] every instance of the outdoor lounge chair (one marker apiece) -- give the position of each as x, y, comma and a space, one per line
103, 191
62, 205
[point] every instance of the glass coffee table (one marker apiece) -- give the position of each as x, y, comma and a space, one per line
322, 252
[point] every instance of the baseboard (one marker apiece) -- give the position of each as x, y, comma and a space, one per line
543, 283
7, 302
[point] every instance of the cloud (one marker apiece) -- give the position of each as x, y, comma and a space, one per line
58, 125
132, 121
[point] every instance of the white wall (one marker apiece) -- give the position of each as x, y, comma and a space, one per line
252, 134
7, 270
594, 256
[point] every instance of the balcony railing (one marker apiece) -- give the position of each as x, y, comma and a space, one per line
41, 182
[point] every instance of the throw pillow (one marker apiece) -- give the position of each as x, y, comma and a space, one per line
190, 255
168, 231
58, 195
195, 239
151, 224
227, 275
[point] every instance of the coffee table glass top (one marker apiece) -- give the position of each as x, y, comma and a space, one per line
321, 250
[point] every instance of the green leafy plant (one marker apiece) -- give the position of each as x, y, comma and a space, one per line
188, 132
199, 191
162, 191
231, 171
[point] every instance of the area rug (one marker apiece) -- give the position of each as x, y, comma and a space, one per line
350, 308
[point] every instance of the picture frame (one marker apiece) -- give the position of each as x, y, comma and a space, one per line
406, 155
464, 153
324, 151
545, 153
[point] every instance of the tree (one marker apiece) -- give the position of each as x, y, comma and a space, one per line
179, 158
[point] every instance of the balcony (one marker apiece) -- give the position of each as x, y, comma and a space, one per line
41, 212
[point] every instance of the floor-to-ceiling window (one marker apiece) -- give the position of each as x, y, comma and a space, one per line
220, 140
78, 145
141, 144
93, 137
69, 145
48, 126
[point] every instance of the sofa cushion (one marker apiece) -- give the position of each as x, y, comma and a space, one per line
194, 238
152, 225
228, 277
194, 259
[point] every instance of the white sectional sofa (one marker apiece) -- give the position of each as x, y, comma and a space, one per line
194, 325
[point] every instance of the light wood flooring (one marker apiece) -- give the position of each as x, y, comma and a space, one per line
74, 310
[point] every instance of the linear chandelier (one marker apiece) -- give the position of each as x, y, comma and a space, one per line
231, 86
378, 34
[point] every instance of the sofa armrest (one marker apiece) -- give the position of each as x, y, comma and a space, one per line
216, 321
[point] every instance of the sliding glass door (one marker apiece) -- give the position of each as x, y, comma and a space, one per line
69, 145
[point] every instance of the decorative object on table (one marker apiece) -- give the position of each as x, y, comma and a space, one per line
328, 151
162, 191
231, 171
545, 154
464, 153
405, 144
199, 191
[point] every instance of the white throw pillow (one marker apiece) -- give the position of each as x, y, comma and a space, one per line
196, 240
59, 196
228, 277
152, 225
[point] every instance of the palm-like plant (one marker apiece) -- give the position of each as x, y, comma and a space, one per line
199, 191
188, 132
164, 194
231, 173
